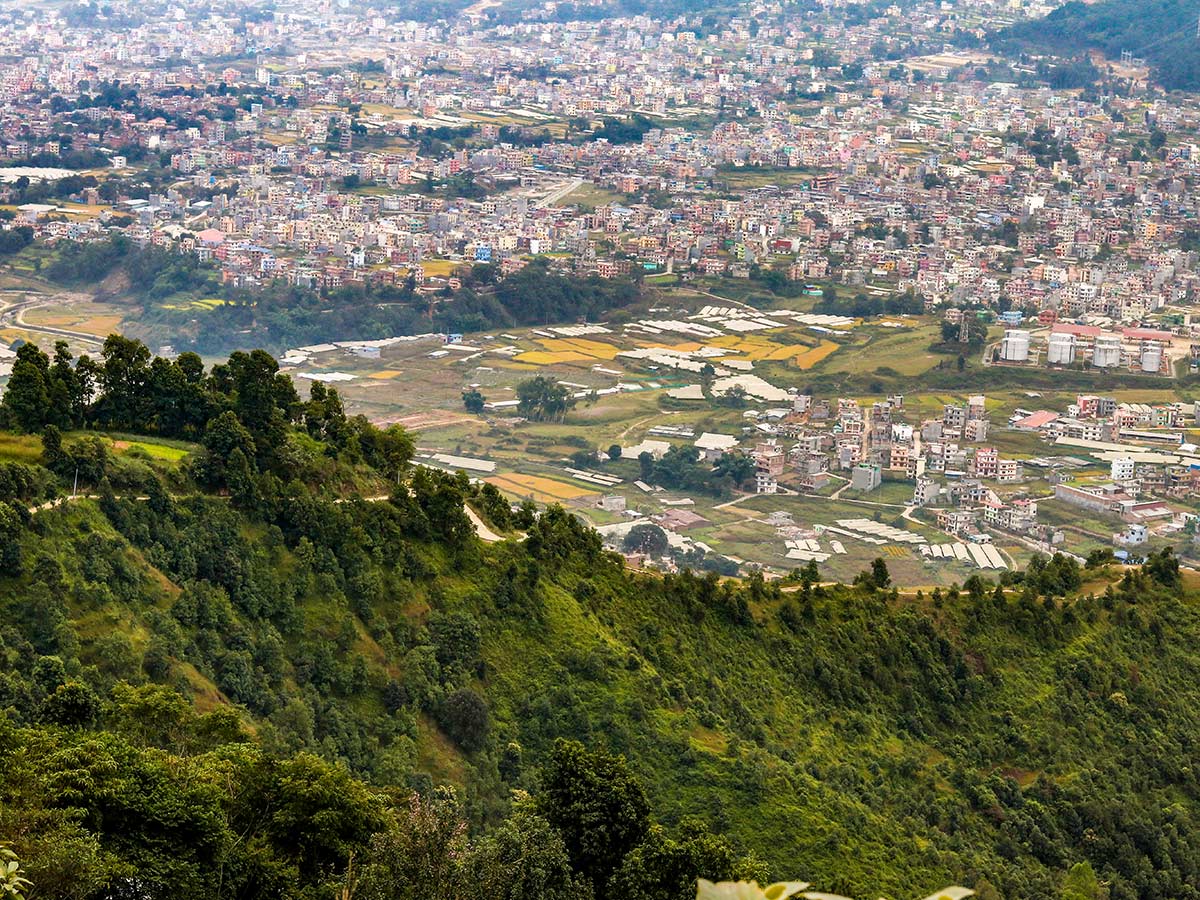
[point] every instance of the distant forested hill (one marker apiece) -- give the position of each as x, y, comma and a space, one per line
1161, 31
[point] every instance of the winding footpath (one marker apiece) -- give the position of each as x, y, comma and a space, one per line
482, 530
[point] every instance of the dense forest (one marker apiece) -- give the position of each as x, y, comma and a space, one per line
300, 674
1161, 31
278, 315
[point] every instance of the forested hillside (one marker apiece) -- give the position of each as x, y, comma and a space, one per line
1161, 31
242, 681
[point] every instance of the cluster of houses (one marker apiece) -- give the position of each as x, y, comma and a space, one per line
842, 448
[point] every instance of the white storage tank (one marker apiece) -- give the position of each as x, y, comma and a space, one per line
1061, 351
1015, 346
1152, 356
1107, 354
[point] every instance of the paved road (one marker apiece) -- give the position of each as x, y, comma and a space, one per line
485, 534
13, 316
558, 193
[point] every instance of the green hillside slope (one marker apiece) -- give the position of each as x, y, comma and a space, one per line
889, 740
224, 673
1161, 31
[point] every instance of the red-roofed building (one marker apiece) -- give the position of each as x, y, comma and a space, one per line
1036, 421
1088, 331
681, 520
1146, 334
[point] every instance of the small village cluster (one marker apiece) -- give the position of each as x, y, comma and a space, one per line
842, 449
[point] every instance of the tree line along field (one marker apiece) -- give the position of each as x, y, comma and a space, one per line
532, 457
537, 453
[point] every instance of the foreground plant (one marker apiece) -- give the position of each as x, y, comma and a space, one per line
749, 890
13, 883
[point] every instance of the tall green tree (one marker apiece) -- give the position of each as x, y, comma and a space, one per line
1081, 883
421, 855
524, 858
737, 467
26, 402
224, 435
473, 400
597, 805
10, 543
125, 401
541, 398
666, 868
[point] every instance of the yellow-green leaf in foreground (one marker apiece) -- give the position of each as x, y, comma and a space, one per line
747, 890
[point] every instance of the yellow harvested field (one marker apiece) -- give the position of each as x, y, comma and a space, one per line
544, 490
594, 349
725, 340
386, 373
547, 358
556, 345
206, 303
517, 366
101, 326
685, 347
439, 267
757, 348
55, 321
810, 358
786, 353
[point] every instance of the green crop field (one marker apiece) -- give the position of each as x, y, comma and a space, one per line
903, 350
22, 448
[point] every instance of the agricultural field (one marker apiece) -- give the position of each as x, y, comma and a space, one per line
752, 177
172, 452
27, 448
31, 310
440, 268
88, 319
591, 195
903, 350
624, 401
538, 488
805, 353
206, 304
420, 375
